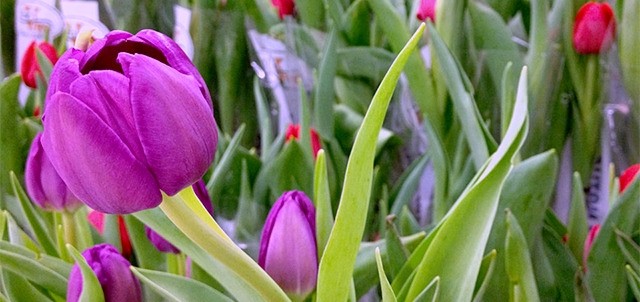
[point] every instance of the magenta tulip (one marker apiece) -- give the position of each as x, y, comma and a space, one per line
128, 119
112, 270
45, 187
288, 245
427, 10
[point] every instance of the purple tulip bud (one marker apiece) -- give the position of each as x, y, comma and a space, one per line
112, 270
127, 119
44, 185
288, 245
162, 244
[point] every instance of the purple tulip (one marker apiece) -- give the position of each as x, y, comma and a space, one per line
288, 245
44, 185
128, 119
162, 244
112, 270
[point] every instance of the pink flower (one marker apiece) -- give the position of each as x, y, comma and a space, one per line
427, 10
594, 28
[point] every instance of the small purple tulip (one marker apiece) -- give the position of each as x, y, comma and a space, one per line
112, 270
45, 187
128, 119
288, 245
162, 244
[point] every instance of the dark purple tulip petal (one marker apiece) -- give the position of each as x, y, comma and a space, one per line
175, 129
112, 270
94, 162
159, 242
200, 188
44, 185
290, 226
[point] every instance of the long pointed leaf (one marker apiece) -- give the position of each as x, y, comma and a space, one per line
177, 288
336, 265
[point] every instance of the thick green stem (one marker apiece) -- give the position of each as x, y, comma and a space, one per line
69, 227
188, 214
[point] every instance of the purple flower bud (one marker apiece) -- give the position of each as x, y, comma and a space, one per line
162, 244
112, 270
127, 119
44, 185
288, 245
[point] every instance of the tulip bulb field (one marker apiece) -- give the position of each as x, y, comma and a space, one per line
319, 150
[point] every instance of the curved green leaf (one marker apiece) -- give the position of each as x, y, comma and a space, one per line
387, 291
91, 289
177, 288
336, 265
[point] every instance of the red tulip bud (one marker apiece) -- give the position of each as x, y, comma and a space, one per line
293, 133
627, 177
594, 28
284, 7
30, 68
427, 10
593, 232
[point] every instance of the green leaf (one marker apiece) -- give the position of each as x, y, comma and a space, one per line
634, 281
466, 227
605, 264
518, 262
420, 80
311, 12
364, 62
322, 199
91, 289
409, 186
431, 293
18, 289
177, 288
264, 117
146, 254
577, 227
325, 92
397, 254
45, 65
34, 271
387, 291
36, 224
336, 265
487, 267
630, 249
11, 158
232, 283
463, 102
222, 168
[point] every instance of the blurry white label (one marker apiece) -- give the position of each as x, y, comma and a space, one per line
82, 16
181, 33
33, 20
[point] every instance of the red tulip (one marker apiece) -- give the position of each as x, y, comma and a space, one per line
594, 28
627, 177
293, 133
427, 10
29, 67
284, 7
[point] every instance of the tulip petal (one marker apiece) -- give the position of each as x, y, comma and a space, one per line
106, 93
294, 272
64, 72
175, 56
174, 123
94, 162
103, 54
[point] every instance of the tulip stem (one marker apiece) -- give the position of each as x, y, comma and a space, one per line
190, 216
69, 227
